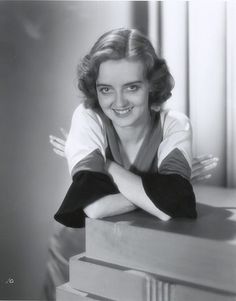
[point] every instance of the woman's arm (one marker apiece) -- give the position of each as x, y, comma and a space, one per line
130, 185
108, 206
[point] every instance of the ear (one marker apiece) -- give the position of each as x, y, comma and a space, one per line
155, 107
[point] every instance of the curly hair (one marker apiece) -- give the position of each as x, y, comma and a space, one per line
131, 44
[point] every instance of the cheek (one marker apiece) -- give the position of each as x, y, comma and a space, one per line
104, 102
142, 98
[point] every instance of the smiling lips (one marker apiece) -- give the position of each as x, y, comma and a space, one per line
122, 112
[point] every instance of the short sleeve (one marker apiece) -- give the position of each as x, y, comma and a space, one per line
175, 150
86, 142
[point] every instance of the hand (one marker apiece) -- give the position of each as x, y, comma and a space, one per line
202, 165
58, 143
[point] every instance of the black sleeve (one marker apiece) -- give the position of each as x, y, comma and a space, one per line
87, 187
172, 194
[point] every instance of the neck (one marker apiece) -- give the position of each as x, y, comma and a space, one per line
134, 133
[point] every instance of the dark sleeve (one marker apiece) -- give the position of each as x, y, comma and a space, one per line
172, 194
87, 187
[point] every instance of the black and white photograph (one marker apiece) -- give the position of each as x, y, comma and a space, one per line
118, 168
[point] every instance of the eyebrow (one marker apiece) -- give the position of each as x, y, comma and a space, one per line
127, 84
99, 85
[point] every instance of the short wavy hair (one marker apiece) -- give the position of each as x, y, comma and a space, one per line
130, 44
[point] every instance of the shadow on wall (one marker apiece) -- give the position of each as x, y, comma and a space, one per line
40, 45
140, 16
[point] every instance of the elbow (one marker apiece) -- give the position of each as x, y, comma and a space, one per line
162, 215
180, 208
187, 206
191, 212
92, 212
165, 218
186, 209
173, 195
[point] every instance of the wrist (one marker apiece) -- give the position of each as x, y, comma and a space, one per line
107, 164
110, 165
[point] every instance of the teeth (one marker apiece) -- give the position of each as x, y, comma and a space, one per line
122, 111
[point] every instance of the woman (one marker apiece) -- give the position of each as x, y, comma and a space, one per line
116, 137
124, 152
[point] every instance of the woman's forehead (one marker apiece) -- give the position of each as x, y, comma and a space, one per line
122, 70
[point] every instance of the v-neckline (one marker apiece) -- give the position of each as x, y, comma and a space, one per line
147, 151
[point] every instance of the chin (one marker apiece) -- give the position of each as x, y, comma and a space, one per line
126, 122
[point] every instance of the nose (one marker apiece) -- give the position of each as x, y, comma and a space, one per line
120, 100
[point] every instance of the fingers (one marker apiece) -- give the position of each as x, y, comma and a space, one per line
58, 145
203, 168
203, 158
59, 152
203, 172
206, 164
56, 140
195, 179
64, 132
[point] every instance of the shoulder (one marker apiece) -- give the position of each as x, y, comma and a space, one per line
174, 121
86, 135
175, 151
86, 116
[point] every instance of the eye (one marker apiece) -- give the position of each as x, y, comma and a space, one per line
105, 90
133, 88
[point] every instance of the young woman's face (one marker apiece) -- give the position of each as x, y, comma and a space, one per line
122, 91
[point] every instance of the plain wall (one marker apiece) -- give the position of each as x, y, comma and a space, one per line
40, 45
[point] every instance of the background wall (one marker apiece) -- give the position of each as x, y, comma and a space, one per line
198, 40
40, 46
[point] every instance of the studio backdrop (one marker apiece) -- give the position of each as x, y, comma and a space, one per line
198, 40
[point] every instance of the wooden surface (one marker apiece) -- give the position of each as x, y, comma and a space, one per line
66, 293
118, 283
109, 280
199, 253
